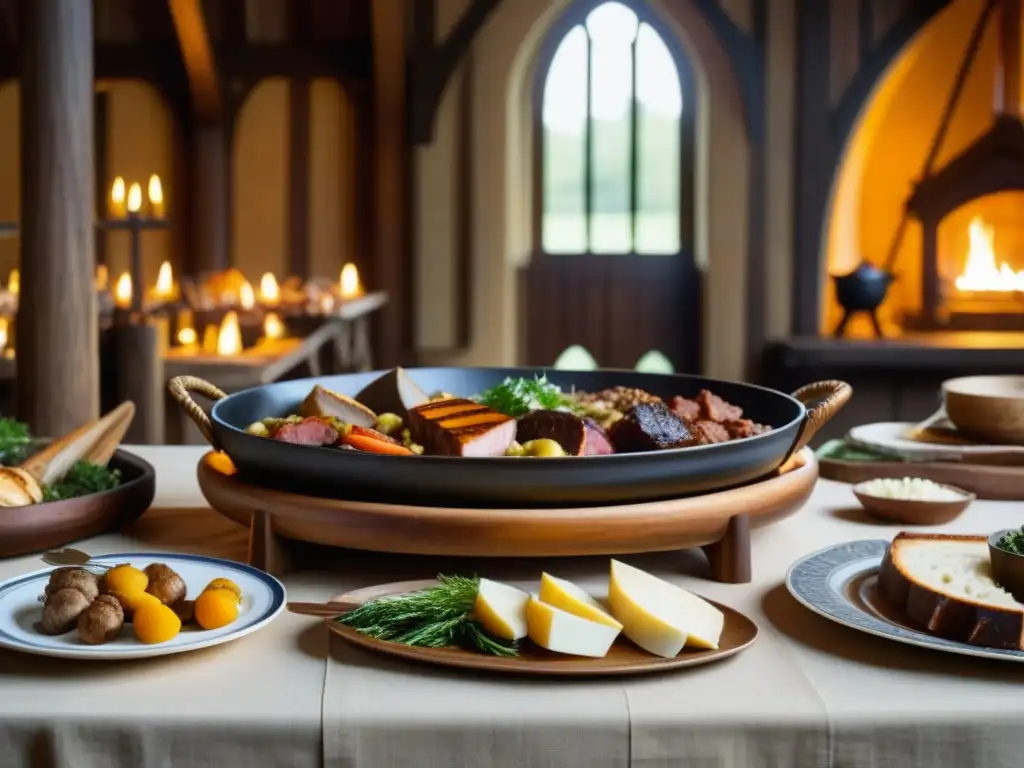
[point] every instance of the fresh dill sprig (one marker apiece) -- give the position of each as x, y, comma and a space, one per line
435, 617
517, 397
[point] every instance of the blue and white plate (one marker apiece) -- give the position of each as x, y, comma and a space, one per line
841, 584
263, 597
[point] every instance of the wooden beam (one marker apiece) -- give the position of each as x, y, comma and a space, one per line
298, 177
210, 175
58, 384
391, 267
197, 54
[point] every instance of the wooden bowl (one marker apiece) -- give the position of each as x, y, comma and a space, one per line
43, 526
1007, 567
912, 511
989, 409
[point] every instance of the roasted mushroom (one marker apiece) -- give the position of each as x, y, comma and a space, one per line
102, 621
73, 578
62, 609
165, 584
186, 610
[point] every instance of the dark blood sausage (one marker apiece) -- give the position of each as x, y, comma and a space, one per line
311, 431
566, 429
458, 427
598, 443
650, 427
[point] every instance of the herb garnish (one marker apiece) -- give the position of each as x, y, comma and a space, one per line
435, 617
517, 397
1012, 542
15, 441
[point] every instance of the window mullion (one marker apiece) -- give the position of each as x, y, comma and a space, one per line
588, 149
634, 146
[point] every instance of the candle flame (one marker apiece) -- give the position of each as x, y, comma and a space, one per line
210, 339
246, 298
102, 277
229, 338
4, 322
273, 328
134, 197
187, 336
14, 282
270, 292
348, 282
155, 190
123, 291
164, 282
117, 192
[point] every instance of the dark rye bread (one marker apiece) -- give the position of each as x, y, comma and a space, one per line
907, 581
459, 427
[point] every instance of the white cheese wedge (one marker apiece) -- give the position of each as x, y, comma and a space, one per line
560, 631
563, 594
658, 616
501, 609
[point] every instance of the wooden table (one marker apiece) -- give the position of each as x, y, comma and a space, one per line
808, 694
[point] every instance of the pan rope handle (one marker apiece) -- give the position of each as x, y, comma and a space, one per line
824, 399
181, 389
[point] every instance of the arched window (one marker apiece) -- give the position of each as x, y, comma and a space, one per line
615, 132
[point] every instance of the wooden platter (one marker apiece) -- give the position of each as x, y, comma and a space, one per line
986, 481
42, 526
624, 658
719, 522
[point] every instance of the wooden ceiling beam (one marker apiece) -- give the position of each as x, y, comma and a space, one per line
200, 62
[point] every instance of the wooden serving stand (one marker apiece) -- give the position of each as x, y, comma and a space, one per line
719, 523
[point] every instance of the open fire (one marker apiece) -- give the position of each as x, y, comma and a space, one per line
983, 271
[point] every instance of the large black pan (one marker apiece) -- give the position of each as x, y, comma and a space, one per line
441, 480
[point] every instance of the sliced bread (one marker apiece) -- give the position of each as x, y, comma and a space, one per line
944, 583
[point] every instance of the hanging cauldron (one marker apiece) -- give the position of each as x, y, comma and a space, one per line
862, 290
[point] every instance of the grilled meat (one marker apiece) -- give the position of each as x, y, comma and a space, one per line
598, 443
311, 431
566, 429
650, 427
714, 420
460, 427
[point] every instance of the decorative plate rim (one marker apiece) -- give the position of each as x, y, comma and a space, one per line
808, 580
278, 600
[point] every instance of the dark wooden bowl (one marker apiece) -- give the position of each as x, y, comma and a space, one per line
914, 511
42, 526
1007, 568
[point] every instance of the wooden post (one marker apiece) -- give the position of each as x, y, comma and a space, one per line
58, 382
139, 349
210, 193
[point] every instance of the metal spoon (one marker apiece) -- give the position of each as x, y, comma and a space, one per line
69, 556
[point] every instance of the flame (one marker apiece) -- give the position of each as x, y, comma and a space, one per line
164, 282
246, 298
210, 339
229, 338
270, 292
102, 277
982, 270
187, 336
14, 282
348, 282
4, 323
155, 192
117, 196
273, 328
123, 291
134, 198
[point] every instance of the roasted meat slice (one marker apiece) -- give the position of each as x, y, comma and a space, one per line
566, 429
708, 432
650, 427
459, 427
311, 431
598, 443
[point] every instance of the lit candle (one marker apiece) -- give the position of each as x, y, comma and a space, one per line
156, 196
165, 290
229, 338
246, 298
14, 282
134, 198
210, 339
123, 291
102, 277
187, 337
270, 292
4, 323
117, 209
273, 328
348, 282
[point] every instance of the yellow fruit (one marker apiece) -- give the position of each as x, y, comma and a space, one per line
132, 601
125, 578
216, 608
156, 623
227, 584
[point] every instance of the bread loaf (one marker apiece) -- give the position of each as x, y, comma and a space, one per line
944, 583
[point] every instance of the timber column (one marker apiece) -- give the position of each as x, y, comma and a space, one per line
211, 195
58, 384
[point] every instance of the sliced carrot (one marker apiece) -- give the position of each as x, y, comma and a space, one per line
373, 445
373, 434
